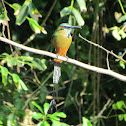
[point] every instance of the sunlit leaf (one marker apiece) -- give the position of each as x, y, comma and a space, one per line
36, 115
71, 20
122, 33
125, 117
82, 5
23, 85
78, 17
46, 123
11, 61
4, 18
16, 8
23, 13
34, 13
1, 122
11, 120
37, 106
60, 114
116, 35
34, 25
4, 72
120, 104
114, 106
121, 18
122, 64
120, 116
65, 11
64, 124
86, 122
15, 78
46, 107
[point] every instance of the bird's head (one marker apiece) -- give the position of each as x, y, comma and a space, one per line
65, 26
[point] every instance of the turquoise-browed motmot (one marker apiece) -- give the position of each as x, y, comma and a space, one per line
61, 41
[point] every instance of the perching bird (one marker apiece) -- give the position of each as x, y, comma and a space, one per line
61, 41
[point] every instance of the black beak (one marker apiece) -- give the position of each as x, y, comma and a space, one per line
75, 27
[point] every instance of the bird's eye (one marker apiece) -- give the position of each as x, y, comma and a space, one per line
62, 27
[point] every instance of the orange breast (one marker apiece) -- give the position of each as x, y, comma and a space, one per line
61, 51
61, 43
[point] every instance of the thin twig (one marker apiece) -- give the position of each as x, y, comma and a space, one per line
107, 61
83, 65
101, 112
49, 13
8, 29
110, 52
36, 77
33, 94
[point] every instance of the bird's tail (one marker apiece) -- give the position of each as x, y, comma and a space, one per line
56, 73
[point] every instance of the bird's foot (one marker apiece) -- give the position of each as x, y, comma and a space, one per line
57, 56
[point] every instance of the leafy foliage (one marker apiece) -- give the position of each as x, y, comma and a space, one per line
26, 78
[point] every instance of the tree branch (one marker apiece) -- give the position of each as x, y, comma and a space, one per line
83, 65
109, 52
101, 112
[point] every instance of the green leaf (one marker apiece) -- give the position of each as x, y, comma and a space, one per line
114, 106
11, 120
64, 124
125, 117
65, 11
16, 6
15, 77
11, 61
46, 107
43, 93
86, 122
36, 115
60, 114
43, 62
4, 18
34, 25
82, 5
33, 12
46, 123
121, 18
120, 104
23, 13
120, 116
19, 103
37, 65
116, 34
78, 17
25, 58
71, 20
23, 85
55, 122
122, 64
4, 72
1, 122
122, 33
37, 106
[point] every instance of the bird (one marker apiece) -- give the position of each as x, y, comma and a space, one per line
61, 40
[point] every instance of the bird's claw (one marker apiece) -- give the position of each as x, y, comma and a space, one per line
57, 56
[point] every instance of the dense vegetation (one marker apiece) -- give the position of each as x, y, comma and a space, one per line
26, 87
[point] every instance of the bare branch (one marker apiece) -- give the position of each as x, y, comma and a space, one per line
110, 52
83, 65
101, 112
